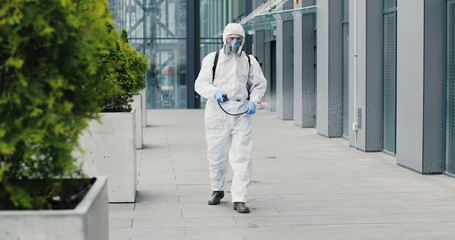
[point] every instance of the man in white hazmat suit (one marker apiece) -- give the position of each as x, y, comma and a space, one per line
229, 137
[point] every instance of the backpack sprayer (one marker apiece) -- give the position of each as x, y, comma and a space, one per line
225, 97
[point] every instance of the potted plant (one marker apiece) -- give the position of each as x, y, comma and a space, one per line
49, 90
110, 144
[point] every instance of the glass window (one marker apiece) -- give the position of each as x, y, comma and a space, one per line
389, 75
346, 10
158, 30
390, 4
212, 25
214, 15
450, 99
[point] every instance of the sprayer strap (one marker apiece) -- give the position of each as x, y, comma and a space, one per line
215, 62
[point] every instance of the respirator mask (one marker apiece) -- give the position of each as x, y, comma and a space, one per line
234, 46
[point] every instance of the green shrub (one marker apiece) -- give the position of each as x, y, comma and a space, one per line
136, 64
129, 74
50, 57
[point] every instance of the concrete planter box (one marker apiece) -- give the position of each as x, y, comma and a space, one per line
110, 151
137, 104
89, 220
144, 109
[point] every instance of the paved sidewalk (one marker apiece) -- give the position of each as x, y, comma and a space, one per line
305, 187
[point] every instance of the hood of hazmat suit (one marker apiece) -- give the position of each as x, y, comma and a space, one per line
229, 30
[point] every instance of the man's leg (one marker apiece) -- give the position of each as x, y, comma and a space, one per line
218, 144
241, 158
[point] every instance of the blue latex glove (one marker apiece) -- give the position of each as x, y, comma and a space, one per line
219, 96
251, 109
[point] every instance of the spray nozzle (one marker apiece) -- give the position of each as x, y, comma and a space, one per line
225, 97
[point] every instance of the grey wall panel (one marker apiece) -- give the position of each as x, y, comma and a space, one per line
269, 94
259, 46
359, 77
352, 134
304, 68
329, 69
335, 70
248, 46
410, 48
433, 132
259, 51
298, 70
284, 70
309, 71
322, 121
366, 100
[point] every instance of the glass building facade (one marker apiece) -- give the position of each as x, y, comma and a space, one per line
158, 29
176, 35
214, 15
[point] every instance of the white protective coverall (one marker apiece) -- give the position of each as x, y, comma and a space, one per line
229, 137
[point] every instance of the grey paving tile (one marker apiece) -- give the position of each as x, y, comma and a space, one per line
223, 210
118, 237
121, 206
123, 214
119, 233
158, 210
122, 222
159, 238
375, 231
365, 231
158, 232
181, 222
194, 189
199, 169
248, 232
335, 219
156, 201
192, 178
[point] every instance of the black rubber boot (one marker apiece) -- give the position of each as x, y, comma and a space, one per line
241, 208
216, 197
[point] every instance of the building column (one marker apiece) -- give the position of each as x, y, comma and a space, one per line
304, 70
367, 108
192, 53
420, 85
329, 90
284, 70
248, 47
259, 46
269, 69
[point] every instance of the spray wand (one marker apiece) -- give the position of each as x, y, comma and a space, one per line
225, 98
